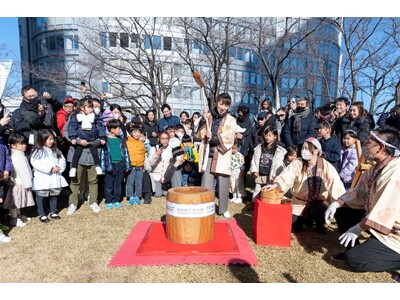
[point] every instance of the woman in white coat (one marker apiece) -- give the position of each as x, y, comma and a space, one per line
48, 163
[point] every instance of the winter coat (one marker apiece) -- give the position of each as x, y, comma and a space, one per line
42, 162
137, 152
277, 162
245, 142
159, 164
105, 157
5, 159
332, 150
349, 165
75, 130
150, 128
22, 174
308, 128
360, 125
170, 121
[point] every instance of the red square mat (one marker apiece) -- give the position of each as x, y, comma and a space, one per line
147, 244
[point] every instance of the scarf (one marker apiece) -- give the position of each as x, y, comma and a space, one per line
297, 119
86, 120
189, 155
315, 180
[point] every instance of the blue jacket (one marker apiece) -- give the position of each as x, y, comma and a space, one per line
105, 157
75, 130
170, 121
332, 150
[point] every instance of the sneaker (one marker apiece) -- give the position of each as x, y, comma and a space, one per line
137, 200
227, 215
339, 257
71, 209
4, 238
117, 204
94, 207
44, 219
131, 200
99, 171
72, 172
238, 200
233, 199
17, 222
24, 218
109, 206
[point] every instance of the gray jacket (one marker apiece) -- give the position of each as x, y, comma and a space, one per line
86, 158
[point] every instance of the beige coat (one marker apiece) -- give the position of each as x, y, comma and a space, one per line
382, 203
221, 163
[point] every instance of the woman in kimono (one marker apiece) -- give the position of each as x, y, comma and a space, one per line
314, 184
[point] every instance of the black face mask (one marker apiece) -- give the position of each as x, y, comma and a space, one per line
300, 109
34, 101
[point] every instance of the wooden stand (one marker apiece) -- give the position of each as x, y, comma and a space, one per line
361, 167
190, 215
272, 224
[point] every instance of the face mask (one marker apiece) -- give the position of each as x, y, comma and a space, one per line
117, 116
300, 109
96, 110
281, 118
306, 155
179, 134
366, 154
34, 101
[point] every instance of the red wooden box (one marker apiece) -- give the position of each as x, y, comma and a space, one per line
272, 224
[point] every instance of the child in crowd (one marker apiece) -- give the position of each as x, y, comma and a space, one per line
146, 142
48, 163
85, 126
190, 176
188, 127
267, 161
115, 160
291, 155
19, 193
237, 162
330, 145
217, 135
349, 158
158, 162
5, 171
174, 141
191, 154
137, 154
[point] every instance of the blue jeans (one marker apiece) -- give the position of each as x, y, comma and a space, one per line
134, 180
113, 183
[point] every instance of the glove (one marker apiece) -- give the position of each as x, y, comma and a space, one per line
330, 211
350, 235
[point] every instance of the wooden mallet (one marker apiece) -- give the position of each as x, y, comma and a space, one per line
200, 82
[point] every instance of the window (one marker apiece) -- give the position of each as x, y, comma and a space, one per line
59, 42
240, 53
134, 40
157, 42
232, 52
103, 39
177, 91
246, 77
147, 42
76, 42
105, 87
68, 42
247, 55
113, 39
167, 43
196, 48
124, 39
52, 42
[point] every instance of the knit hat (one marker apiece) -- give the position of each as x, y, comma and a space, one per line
177, 151
316, 143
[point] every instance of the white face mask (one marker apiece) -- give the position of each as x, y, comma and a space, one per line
179, 134
96, 110
306, 155
117, 116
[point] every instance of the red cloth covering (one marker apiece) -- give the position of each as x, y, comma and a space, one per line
147, 244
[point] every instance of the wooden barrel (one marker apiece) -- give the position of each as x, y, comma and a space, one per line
190, 215
271, 197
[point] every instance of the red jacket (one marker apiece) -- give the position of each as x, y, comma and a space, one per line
62, 117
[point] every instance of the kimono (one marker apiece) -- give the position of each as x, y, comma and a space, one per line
292, 177
381, 203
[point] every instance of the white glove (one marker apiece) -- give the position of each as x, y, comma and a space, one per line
330, 211
350, 235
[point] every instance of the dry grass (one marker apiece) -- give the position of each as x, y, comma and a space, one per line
77, 248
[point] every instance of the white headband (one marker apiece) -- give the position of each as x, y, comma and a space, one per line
396, 151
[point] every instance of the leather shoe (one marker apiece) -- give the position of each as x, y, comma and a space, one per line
44, 219
54, 216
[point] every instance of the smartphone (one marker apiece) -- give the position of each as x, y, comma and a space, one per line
83, 83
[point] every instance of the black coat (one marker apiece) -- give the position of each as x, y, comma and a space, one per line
308, 128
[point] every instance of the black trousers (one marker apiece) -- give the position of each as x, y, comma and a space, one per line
370, 256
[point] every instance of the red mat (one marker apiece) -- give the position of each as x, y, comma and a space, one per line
147, 245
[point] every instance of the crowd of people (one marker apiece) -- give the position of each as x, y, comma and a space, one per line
49, 145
